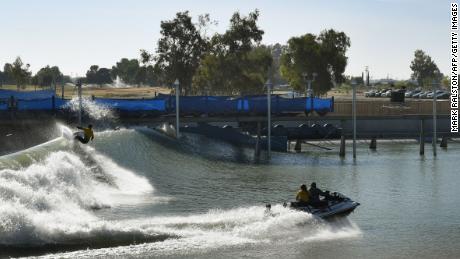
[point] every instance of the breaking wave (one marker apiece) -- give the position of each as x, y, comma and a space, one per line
51, 196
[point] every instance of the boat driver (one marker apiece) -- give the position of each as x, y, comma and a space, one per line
314, 196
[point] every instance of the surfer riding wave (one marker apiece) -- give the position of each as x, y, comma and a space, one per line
86, 132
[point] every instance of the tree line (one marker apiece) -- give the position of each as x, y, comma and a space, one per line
234, 62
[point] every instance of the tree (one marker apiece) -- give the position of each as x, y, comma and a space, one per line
235, 64
446, 82
7, 76
424, 69
100, 76
2, 78
18, 72
274, 72
127, 70
91, 77
179, 50
323, 54
47, 76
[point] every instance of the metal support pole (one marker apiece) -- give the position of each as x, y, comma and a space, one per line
80, 102
257, 148
342, 139
373, 144
443, 142
434, 119
342, 146
354, 119
176, 83
269, 120
422, 138
62, 90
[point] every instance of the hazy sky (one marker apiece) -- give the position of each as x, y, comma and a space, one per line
76, 34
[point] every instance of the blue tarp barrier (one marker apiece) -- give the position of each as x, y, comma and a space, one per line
222, 106
61, 103
42, 104
258, 104
319, 105
133, 105
291, 105
211, 105
29, 95
202, 104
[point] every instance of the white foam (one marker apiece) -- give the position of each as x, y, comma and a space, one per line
224, 228
94, 110
51, 201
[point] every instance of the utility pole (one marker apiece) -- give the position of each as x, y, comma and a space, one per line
353, 83
176, 84
269, 118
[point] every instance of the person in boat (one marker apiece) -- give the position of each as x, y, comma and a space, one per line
303, 196
87, 134
315, 194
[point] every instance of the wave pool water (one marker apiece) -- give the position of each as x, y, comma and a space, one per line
136, 193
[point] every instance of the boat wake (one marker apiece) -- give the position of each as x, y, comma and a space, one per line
217, 229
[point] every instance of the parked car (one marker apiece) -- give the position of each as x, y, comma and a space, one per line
370, 93
387, 93
410, 94
379, 93
424, 95
443, 95
417, 95
431, 94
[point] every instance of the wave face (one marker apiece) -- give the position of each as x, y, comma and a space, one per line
62, 196
49, 193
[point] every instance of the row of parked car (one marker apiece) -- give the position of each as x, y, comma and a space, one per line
378, 93
440, 94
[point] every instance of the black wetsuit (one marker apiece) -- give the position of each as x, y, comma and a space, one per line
87, 133
81, 139
314, 197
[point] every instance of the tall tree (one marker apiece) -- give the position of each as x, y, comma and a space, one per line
323, 54
91, 77
127, 70
423, 68
236, 63
18, 72
47, 76
2, 78
274, 72
7, 76
100, 76
179, 50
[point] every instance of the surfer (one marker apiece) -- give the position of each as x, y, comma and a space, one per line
87, 134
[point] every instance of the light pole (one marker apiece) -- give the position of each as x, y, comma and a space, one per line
309, 91
268, 84
434, 117
176, 85
353, 83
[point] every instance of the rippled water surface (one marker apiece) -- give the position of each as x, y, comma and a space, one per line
135, 193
